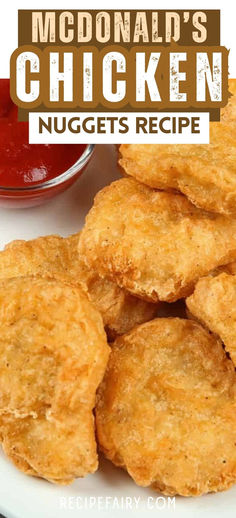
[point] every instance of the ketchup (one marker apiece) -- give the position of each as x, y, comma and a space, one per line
23, 164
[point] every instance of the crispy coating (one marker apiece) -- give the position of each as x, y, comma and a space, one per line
53, 354
120, 310
228, 113
58, 257
166, 409
214, 304
154, 244
206, 174
51, 255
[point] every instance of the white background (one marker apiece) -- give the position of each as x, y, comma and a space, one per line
185, 137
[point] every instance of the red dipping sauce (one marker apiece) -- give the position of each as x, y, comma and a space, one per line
26, 169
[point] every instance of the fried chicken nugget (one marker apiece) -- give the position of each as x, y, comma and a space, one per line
53, 354
206, 174
214, 304
58, 257
154, 244
228, 113
166, 408
47, 255
120, 310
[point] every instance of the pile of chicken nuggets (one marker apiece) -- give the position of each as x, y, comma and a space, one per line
123, 337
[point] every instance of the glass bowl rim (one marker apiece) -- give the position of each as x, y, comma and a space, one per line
61, 178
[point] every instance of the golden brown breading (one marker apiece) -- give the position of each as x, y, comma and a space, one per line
53, 354
47, 255
58, 257
206, 174
120, 310
154, 244
214, 304
166, 409
228, 113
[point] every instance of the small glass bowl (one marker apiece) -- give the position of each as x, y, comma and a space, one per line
30, 196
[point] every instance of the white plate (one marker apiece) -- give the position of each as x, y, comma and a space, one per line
110, 492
